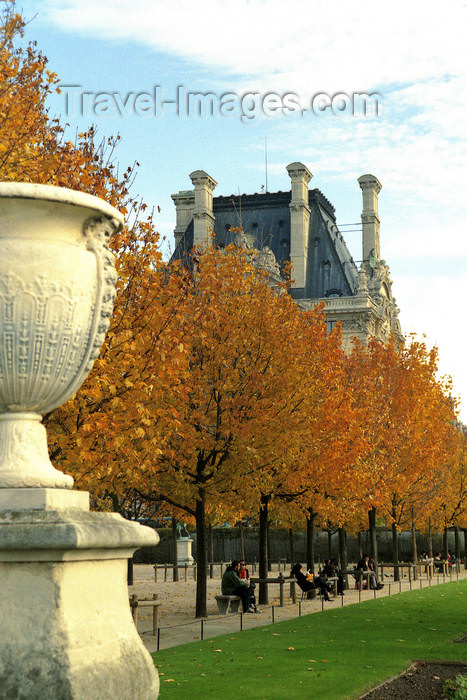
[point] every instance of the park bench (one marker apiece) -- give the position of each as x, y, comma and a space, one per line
358, 575
281, 580
224, 601
332, 580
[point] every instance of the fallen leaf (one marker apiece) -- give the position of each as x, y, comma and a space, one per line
217, 649
169, 680
290, 648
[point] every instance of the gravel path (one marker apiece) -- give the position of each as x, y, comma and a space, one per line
178, 624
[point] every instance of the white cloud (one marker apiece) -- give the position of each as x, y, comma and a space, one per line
302, 46
432, 306
411, 52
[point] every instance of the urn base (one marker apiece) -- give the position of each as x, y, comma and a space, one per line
24, 458
66, 630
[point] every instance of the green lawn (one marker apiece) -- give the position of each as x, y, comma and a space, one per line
338, 653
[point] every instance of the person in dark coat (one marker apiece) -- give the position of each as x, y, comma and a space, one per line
331, 570
233, 585
307, 585
367, 564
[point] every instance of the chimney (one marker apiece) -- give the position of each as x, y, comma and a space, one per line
370, 186
203, 215
299, 222
184, 205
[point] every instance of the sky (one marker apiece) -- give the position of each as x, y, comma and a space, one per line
273, 70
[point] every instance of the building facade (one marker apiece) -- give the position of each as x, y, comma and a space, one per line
299, 226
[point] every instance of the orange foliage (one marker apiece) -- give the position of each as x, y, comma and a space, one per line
211, 389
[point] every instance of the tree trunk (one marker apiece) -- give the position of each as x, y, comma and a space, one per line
115, 503
465, 547
395, 544
211, 552
268, 546
292, 549
201, 556
174, 550
310, 546
372, 528
359, 545
343, 548
242, 540
430, 540
263, 549
414, 544
457, 544
310, 541
329, 544
129, 572
445, 543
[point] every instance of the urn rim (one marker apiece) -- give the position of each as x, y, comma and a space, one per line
62, 195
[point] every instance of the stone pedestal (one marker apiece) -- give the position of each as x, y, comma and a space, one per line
66, 630
184, 555
65, 626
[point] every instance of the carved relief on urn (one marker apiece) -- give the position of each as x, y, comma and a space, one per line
57, 282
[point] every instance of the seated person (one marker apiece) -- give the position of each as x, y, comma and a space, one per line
331, 570
233, 585
438, 561
307, 585
243, 572
424, 558
367, 564
244, 575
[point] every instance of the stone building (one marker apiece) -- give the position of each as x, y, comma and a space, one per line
300, 226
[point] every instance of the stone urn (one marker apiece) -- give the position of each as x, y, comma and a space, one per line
66, 629
57, 288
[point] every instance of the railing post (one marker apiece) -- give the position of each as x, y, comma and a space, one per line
155, 615
155, 572
134, 607
281, 590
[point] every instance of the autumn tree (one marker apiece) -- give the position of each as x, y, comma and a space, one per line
107, 423
242, 415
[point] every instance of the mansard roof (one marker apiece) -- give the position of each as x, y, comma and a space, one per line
331, 270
